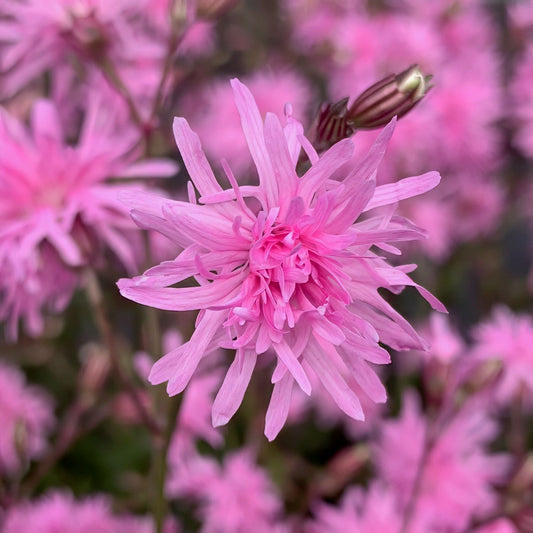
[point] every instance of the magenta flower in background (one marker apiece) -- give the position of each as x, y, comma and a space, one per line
212, 114
458, 472
234, 497
39, 36
507, 337
371, 511
59, 512
26, 416
283, 265
56, 210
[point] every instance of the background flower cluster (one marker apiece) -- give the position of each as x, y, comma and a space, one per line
401, 419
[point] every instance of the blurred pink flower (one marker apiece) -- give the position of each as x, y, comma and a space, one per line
56, 210
455, 484
355, 46
198, 40
39, 36
26, 416
372, 511
446, 343
59, 512
507, 337
293, 273
213, 115
235, 497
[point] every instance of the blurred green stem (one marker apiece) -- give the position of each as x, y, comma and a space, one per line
160, 462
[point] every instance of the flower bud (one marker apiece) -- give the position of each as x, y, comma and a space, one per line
212, 9
394, 95
95, 370
20, 438
332, 125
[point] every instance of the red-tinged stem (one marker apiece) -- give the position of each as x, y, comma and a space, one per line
94, 295
70, 431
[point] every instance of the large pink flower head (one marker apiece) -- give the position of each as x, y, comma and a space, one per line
285, 265
26, 416
57, 211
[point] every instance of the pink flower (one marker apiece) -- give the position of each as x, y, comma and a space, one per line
26, 416
446, 343
213, 115
507, 337
57, 211
234, 497
41, 36
455, 483
59, 512
373, 511
284, 266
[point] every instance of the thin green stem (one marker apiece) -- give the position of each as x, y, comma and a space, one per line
161, 462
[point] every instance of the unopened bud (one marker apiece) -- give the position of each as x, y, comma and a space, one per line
212, 9
179, 13
332, 125
95, 370
342, 469
485, 375
522, 481
394, 95
20, 439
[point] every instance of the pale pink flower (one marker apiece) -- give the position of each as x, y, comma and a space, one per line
26, 416
212, 113
458, 472
57, 211
284, 265
59, 512
372, 511
507, 337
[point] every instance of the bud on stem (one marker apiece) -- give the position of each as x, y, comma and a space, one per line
392, 96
